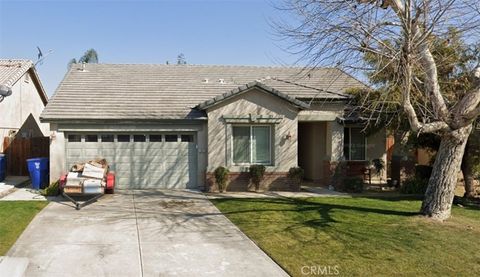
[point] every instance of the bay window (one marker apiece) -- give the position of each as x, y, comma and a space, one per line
354, 143
251, 144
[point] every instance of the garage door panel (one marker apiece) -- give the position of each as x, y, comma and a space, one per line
119, 158
153, 183
176, 166
108, 151
74, 152
150, 168
123, 146
153, 159
142, 164
71, 162
140, 152
93, 152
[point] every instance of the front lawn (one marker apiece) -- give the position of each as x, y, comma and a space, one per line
14, 218
358, 236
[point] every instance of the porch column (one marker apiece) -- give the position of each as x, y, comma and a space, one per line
57, 153
334, 141
334, 150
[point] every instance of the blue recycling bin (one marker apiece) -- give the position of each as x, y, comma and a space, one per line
39, 171
3, 167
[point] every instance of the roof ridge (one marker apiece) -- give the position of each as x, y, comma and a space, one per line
309, 87
15, 60
212, 65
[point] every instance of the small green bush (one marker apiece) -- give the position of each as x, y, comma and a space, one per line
352, 184
51, 190
256, 174
295, 174
221, 178
339, 173
414, 186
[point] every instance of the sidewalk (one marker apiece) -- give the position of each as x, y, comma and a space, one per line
306, 191
17, 188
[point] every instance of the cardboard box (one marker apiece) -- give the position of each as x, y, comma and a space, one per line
73, 190
74, 179
93, 171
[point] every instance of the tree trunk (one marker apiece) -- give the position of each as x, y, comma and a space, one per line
467, 170
437, 203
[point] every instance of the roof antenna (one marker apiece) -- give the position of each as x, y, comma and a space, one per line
41, 57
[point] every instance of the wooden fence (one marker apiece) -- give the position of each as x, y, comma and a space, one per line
18, 150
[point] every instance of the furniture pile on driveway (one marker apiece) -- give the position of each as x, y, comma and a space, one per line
87, 179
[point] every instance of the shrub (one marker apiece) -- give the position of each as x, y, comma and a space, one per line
295, 174
352, 184
339, 173
379, 166
423, 172
414, 186
51, 190
256, 174
221, 178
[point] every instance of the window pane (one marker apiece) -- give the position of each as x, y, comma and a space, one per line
261, 144
107, 138
91, 138
171, 138
241, 144
357, 145
346, 143
187, 138
74, 138
123, 138
155, 138
139, 138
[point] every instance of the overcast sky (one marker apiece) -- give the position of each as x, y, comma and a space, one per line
206, 32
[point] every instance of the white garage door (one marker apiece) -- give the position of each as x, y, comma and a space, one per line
139, 160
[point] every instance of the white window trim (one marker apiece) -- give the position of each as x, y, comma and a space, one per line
251, 145
350, 146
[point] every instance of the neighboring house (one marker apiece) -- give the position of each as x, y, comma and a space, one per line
20, 111
170, 126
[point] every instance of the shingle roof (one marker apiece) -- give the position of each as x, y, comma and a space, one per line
12, 70
143, 91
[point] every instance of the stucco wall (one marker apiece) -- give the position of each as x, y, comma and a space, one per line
255, 103
16, 108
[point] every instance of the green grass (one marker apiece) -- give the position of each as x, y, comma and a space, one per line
14, 218
359, 236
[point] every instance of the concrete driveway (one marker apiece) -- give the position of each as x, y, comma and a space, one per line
140, 233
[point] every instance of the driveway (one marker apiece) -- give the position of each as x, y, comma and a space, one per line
140, 233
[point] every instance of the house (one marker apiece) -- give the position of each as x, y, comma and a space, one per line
21, 101
170, 126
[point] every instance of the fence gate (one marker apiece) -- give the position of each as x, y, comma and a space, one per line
18, 150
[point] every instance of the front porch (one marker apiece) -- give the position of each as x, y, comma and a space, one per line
322, 145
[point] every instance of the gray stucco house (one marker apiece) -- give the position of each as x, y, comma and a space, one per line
170, 126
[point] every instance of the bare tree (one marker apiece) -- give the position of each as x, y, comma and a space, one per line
399, 33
